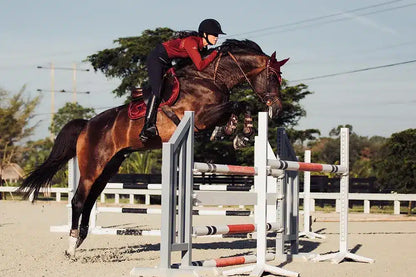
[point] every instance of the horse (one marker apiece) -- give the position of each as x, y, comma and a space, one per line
102, 143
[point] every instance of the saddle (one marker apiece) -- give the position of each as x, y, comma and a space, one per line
170, 93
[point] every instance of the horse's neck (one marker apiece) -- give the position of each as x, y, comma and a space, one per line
233, 72
222, 75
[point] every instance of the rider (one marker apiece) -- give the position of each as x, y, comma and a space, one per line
159, 61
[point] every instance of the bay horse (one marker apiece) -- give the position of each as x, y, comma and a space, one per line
102, 143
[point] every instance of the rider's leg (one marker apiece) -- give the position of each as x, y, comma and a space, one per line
149, 129
156, 68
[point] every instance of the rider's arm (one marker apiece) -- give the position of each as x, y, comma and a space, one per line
191, 47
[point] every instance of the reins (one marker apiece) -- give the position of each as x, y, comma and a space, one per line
242, 71
266, 99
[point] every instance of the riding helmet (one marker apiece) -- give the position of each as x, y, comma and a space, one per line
210, 26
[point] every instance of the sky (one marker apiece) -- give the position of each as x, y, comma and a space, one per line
368, 49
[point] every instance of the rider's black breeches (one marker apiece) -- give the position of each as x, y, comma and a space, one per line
157, 64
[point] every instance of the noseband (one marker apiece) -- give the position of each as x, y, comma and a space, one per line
269, 98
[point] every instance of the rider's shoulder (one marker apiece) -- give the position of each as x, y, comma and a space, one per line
192, 38
192, 41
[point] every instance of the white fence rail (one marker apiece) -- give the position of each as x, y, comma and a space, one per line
396, 198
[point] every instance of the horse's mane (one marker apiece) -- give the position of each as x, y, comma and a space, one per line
230, 45
240, 46
184, 34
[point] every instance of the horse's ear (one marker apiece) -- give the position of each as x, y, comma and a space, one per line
282, 62
273, 57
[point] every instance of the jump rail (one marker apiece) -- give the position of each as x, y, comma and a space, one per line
179, 239
176, 231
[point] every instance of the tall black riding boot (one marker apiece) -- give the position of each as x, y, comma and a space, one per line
149, 129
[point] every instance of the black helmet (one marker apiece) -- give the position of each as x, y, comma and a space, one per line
211, 27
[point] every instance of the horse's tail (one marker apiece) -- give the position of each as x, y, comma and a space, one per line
63, 149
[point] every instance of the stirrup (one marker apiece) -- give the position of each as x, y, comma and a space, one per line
148, 133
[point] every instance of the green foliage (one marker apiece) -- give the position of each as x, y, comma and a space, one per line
396, 166
15, 113
336, 131
67, 113
128, 60
35, 153
362, 151
145, 162
292, 110
223, 151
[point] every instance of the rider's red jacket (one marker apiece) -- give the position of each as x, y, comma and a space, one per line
189, 47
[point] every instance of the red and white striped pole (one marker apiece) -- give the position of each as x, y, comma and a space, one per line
300, 166
224, 168
230, 229
230, 261
237, 260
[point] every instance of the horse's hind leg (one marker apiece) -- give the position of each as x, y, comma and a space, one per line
77, 203
96, 190
84, 200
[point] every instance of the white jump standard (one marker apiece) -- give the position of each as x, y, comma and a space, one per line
343, 220
307, 231
177, 169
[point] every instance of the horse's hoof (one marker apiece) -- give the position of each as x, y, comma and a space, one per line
240, 142
83, 233
217, 134
72, 246
79, 242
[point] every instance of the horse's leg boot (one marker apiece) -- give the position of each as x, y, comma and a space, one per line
73, 238
217, 134
231, 125
149, 129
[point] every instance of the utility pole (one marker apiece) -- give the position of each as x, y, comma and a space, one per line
52, 90
74, 82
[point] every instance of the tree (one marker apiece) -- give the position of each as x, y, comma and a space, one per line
15, 113
67, 113
35, 153
127, 61
335, 132
362, 151
396, 166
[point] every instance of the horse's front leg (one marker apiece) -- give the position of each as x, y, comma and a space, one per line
236, 109
241, 141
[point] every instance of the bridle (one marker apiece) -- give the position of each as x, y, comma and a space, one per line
269, 98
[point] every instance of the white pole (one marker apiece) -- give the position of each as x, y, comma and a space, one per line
344, 190
343, 252
307, 203
307, 195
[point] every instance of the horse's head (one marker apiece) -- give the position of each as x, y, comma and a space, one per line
267, 84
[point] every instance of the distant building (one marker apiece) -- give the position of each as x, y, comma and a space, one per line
11, 173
